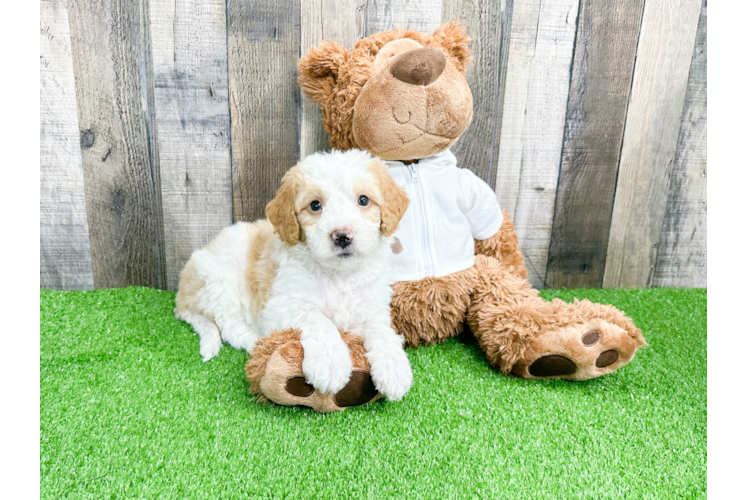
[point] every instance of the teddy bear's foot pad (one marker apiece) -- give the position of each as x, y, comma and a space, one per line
358, 391
552, 366
275, 374
591, 338
577, 352
556, 366
298, 387
607, 358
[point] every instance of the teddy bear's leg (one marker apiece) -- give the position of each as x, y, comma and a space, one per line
529, 337
274, 373
503, 246
432, 310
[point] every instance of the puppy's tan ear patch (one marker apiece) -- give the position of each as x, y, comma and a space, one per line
318, 70
281, 211
394, 200
455, 40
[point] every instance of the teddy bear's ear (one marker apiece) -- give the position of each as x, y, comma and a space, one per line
318, 70
455, 40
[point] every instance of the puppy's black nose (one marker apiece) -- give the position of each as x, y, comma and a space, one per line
341, 239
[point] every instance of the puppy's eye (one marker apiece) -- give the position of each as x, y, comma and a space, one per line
315, 206
363, 200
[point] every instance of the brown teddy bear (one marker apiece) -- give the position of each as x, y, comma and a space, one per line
402, 95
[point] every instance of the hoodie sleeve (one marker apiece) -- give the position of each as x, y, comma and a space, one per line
482, 208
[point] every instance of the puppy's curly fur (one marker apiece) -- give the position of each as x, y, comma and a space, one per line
319, 264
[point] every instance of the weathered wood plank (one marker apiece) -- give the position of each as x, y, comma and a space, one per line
681, 256
536, 90
264, 46
64, 247
519, 52
602, 70
506, 31
419, 15
478, 148
658, 93
113, 80
343, 21
190, 65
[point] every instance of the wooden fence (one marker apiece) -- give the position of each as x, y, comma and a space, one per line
162, 121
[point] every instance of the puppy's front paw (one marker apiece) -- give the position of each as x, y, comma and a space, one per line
390, 370
327, 366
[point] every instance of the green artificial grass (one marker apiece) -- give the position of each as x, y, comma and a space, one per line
128, 409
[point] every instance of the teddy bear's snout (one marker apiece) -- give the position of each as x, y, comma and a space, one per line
419, 66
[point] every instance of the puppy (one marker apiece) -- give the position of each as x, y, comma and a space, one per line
320, 263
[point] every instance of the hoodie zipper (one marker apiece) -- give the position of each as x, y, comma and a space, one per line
429, 266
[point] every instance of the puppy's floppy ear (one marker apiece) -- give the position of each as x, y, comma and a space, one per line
394, 201
455, 40
281, 210
318, 70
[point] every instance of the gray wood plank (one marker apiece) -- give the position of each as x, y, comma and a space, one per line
666, 44
681, 256
419, 15
264, 47
65, 251
342, 21
478, 148
602, 70
190, 65
541, 43
114, 91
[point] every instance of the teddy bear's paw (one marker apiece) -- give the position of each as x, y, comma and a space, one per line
275, 373
296, 391
579, 352
284, 383
359, 390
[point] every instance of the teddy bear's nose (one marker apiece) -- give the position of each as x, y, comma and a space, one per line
419, 66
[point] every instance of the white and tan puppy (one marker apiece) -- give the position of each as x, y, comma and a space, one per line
320, 264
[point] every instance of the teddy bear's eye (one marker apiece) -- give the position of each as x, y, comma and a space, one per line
315, 206
363, 200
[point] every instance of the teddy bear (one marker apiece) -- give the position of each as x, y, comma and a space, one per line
402, 96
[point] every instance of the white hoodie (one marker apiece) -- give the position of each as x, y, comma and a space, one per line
449, 206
